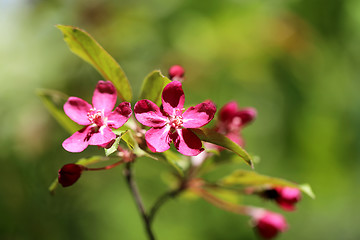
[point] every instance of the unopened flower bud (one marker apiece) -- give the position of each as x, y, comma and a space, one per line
286, 197
69, 174
269, 224
176, 73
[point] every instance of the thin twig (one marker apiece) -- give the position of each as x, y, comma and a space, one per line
135, 192
161, 200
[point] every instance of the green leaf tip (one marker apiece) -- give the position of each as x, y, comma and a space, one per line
211, 136
306, 188
86, 47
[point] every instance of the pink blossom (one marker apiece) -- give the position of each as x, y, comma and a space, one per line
97, 119
69, 174
269, 224
232, 119
171, 123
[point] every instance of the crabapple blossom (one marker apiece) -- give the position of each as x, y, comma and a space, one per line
232, 119
172, 122
98, 119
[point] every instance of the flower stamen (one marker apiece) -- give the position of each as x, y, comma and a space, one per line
96, 117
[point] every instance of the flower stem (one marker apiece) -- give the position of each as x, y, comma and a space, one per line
106, 167
135, 192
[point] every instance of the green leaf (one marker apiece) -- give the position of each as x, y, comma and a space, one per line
153, 86
85, 46
211, 136
113, 148
54, 102
251, 178
129, 140
306, 188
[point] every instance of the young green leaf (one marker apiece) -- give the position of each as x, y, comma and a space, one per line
211, 136
113, 148
85, 46
251, 178
153, 86
54, 102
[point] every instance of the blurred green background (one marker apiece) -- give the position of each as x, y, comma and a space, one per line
295, 61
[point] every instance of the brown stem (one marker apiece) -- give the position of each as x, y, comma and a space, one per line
135, 192
231, 207
161, 200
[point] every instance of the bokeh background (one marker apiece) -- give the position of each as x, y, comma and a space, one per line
296, 61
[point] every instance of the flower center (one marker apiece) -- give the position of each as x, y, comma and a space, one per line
96, 117
176, 122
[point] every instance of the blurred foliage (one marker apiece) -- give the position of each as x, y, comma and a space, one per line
295, 61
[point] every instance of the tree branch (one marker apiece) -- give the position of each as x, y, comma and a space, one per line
135, 192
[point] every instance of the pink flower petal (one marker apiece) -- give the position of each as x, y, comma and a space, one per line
228, 111
186, 142
173, 98
120, 115
158, 139
104, 97
247, 115
200, 115
78, 141
149, 114
102, 136
77, 110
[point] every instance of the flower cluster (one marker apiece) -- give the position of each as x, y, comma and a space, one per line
169, 123
162, 123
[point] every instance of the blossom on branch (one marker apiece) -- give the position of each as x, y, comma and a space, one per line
97, 118
172, 123
232, 119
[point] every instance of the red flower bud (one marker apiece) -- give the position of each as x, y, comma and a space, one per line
269, 224
69, 174
176, 72
288, 197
